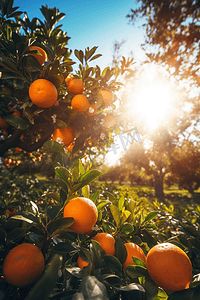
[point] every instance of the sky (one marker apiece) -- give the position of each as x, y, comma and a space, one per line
94, 23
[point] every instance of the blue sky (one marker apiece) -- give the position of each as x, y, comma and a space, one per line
94, 23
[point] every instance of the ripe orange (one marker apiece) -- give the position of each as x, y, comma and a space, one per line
40, 57
82, 263
3, 123
70, 147
108, 121
84, 212
107, 97
80, 103
23, 265
133, 250
17, 113
17, 149
75, 86
43, 93
68, 79
11, 213
106, 241
169, 267
64, 135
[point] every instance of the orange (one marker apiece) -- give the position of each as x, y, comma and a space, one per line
43, 93
84, 212
91, 110
23, 265
11, 213
17, 149
80, 103
108, 121
40, 57
133, 250
82, 263
64, 135
169, 267
70, 147
17, 113
107, 97
3, 123
106, 241
68, 79
75, 86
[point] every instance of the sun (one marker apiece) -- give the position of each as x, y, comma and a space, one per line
153, 102
150, 98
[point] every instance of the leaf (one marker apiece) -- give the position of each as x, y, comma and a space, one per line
121, 202
97, 254
113, 263
102, 204
124, 216
89, 53
21, 218
95, 57
59, 224
116, 214
63, 173
86, 179
45, 284
60, 183
127, 228
138, 262
150, 216
54, 147
94, 196
136, 271
120, 250
16, 122
151, 288
79, 55
52, 211
91, 288
86, 191
132, 287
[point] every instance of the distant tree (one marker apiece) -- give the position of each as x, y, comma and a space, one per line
185, 166
173, 26
155, 160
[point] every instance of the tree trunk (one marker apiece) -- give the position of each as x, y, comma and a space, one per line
159, 190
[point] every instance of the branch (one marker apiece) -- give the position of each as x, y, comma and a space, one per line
15, 141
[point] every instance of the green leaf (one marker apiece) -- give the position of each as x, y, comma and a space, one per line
81, 168
86, 191
136, 271
139, 262
52, 211
63, 173
59, 224
116, 214
105, 71
120, 250
102, 204
127, 228
94, 196
113, 263
97, 254
121, 202
45, 284
55, 147
16, 122
86, 179
150, 216
124, 216
60, 183
151, 288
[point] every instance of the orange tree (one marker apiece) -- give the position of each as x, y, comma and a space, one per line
36, 97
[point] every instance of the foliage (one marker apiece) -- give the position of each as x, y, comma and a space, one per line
19, 70
173, 26
128, 217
